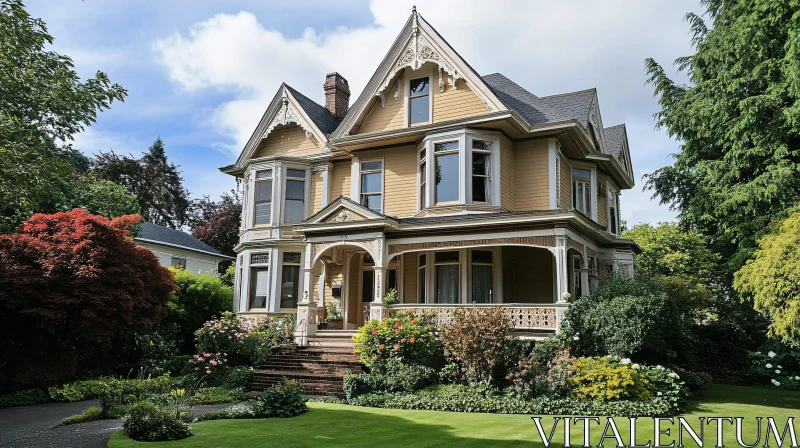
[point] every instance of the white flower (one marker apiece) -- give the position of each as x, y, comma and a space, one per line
797, 378
769, 366
575, 338
566, 296
635, 366
659, 367
772, 354
625, 361
780, 367
659, 394
778, 372
674, 375
775, 382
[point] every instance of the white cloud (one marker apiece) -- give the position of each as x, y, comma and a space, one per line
547, 47
92, 141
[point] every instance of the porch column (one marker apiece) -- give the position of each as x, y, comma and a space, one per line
562, 277
306, 309
377, 309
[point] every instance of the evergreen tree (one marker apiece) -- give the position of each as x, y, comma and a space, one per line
738, 168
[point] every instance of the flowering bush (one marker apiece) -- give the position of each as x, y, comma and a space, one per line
246, 340
554, 378
208, 363
769, 369
476, 338
402, 337
603, 379
667, 385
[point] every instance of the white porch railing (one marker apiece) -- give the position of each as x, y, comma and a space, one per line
525, 316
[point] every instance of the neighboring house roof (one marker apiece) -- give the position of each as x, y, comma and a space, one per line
538, 110
615, 136
156, 234
322, 117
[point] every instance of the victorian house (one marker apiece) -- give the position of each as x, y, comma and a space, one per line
451, 188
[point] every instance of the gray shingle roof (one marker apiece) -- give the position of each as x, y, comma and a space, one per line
155, 233
322, 118
615, 136
539, 110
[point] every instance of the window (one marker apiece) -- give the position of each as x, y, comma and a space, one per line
423, 179
178, 262
263, 202
367, 285
259, 287
482, 276
391, 281
612, 214
290, 279
372, 185
581, 190
446, 175
481, 171
577, 287
421, 277
447, 276
419, 101
294, 206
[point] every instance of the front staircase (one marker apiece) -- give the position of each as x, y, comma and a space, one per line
320, 367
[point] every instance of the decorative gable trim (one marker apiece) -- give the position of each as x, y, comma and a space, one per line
343, 210
596, 126
416, 44
284, 109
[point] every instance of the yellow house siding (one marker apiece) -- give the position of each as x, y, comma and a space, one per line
390, 116
334, 277
454, 103
410, 261
316, 192
566, 185
602, 202
507, 176
531, 175
287, 140
340, 179
399, 179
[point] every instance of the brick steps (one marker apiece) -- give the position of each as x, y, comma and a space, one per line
320, 367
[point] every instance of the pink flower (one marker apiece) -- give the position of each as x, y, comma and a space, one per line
224, 354
208, 372
191, 361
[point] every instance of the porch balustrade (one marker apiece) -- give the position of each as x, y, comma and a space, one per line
524, 316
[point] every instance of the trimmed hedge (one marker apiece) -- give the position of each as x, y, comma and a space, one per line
655, 407
495, 405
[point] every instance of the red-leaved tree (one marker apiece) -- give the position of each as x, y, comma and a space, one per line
221, 229
72, 282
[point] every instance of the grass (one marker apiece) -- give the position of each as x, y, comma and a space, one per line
342, 425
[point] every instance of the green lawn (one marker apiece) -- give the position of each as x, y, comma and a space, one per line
341, 425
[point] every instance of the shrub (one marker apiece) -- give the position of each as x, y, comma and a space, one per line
25, 398
156, 345
247, 341
199, 298
626, 317
111, 391
392, 376
356, 384
237, 377
89, 415
554, 379
242, 410
776, 369
147, 423
655, 407
281, 400
217, 395
403, 337
694, 380
451, 402
207, 364
601, 379
476, 338
176, 365
666, 384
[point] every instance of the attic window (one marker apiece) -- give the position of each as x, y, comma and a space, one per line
419, 102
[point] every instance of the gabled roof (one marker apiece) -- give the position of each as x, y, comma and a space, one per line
417, 43
617, 143
539, 110
342, 202
156, 234
290, 106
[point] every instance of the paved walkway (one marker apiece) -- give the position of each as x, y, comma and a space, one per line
34, 426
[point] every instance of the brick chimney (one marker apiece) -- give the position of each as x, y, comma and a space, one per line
337, 95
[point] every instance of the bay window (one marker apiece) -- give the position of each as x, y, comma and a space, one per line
294, 204
263, 197
419, 101
446, 175
423, 179
481, 171
447, 269
482, 276
290, 279
372, 185
259, 280
582, 190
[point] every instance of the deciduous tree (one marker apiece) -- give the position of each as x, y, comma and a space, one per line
221, 229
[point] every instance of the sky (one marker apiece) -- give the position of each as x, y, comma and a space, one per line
200, 73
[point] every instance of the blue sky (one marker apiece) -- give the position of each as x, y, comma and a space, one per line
200, 73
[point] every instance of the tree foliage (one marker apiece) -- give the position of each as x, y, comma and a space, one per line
156, 183
738, 168
771, 280
220, 229
42, 101
198, 299
72, 280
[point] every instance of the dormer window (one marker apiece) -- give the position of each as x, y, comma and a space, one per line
419, 103
263, 197
446, 175
582, 190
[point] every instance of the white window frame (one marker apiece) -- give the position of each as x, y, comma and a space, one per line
612, 200
306, 190
269, 265
494, 175
576, 274
592, 186
252, 201
383, 181
460, 181
300, 277
459, 277
422, 178
424, 285
472, 263
426, 73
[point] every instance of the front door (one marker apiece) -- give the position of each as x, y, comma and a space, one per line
366, 292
